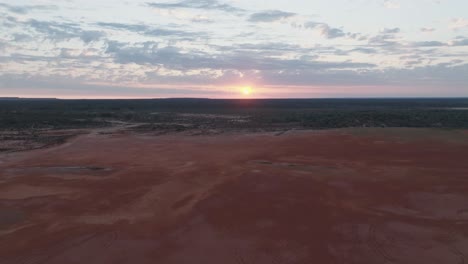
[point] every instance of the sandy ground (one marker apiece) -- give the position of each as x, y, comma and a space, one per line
338, 196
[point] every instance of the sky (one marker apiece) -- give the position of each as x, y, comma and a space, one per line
233, 48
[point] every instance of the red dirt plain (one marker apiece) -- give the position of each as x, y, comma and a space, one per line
338, 196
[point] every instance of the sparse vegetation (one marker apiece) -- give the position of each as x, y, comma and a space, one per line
182, 114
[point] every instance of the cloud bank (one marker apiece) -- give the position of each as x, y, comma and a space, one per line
207, 47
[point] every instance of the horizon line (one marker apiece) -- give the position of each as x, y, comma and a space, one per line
235, 98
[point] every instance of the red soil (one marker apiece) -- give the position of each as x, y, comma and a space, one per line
303, 197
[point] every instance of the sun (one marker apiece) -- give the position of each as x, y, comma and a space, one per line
247, 90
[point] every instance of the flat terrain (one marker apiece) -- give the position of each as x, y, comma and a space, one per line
27, 124
123, 194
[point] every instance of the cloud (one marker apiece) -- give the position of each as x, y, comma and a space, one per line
458, 23
198, 4
429, 44
439, 78
66, 86
365, 50
115, 46
176, 58
325, 30
3, 45
390, 31
89, 36
356, 36
270, 16
387, 38
151, 31
275, 49
8, 21
55, 30
60, 31
427, 30
459, 42
22, 58
26, 8
201, 19
76, 56
121, 26
329, 32
80, 48
152, 62
20, 37
267, 46
390, 4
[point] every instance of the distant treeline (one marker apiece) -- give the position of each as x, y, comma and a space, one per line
301, 113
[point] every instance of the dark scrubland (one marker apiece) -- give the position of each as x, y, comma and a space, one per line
37, 123
235, 114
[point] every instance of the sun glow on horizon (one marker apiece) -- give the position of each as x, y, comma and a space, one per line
246, 90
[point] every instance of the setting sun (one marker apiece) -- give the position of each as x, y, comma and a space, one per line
247, 90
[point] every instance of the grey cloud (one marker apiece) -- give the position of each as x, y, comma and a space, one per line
91, 36
169, 32
59, 86
64, 31
114, 46
270, 16
457, 42
330, 32
275, 49
175, 58
436, 74
201, 19
441, 78
410, 57
22, 58
390, 30
429, 44
268, 46
198, 4
8, 21
412, 63
313, 77
312, 24
304, 66
384, 40
120, 26
460, 42
248, 59
456, 61
55, 30
19, 37
427, 30
64, 54
452, 63
3, 44
26, 8
365, 50
325, 30
151, 31
356, 36
309, 57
